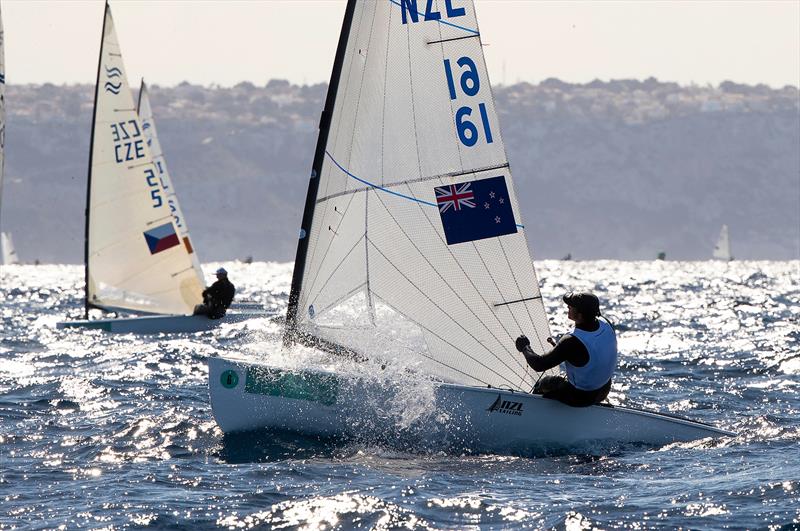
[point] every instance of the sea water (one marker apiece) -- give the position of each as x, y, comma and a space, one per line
115, 431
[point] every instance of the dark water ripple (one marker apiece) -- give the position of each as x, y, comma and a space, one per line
116, 432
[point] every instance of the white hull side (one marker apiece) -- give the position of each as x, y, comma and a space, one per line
460, 419
157, 324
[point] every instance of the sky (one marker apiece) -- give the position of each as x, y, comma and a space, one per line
224, 42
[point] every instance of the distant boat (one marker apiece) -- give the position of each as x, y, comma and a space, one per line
722, 251
662, 255
138, 258
9, 256
7, 247
567, 257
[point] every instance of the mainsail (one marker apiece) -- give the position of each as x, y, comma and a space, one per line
412, 244
135, 259
2, 111
722, 251
151, 136
7, 249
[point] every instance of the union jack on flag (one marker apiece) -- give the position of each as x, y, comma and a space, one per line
455, 196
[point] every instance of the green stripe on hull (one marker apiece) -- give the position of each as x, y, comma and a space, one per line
320, 388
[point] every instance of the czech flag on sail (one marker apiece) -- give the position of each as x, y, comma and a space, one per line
475, 210
161, 238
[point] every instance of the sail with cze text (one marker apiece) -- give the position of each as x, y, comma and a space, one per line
135, 257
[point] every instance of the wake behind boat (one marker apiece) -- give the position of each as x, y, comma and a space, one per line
412, 251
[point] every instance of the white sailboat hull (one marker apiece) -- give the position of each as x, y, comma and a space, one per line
157, 324
247, 396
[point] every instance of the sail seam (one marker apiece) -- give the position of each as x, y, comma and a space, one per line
328, 248
425, 295
448, 343
478, 291
333, 272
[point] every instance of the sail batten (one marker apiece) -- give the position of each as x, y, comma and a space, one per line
136, 258
416, 250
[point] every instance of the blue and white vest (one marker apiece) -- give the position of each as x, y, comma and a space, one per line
602, 347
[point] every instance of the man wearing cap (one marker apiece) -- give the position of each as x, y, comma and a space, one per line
589, 355
217, 297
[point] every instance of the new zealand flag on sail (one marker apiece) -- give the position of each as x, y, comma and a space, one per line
475, 210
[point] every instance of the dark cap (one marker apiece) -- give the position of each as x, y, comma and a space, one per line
583, 301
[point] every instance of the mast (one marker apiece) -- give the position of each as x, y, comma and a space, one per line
86, 303
316, 171
142, 88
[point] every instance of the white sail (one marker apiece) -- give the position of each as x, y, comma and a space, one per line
2, 111
722, 251
151, 136
7, 249
135, 257
413, 143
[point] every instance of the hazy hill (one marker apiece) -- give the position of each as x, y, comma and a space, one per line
621, 170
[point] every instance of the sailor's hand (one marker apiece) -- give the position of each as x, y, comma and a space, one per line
522, 342
551, 341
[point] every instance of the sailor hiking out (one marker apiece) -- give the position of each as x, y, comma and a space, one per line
217, 298
589, 355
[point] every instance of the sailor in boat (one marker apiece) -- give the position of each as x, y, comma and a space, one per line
217, 298
589, 355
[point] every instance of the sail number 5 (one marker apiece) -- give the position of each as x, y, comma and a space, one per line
470, 84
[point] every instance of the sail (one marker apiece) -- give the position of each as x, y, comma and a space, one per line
412, 245
135, 259
722, 251
2, 112
7, 249
151, 136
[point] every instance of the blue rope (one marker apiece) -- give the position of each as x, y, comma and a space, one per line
440, 21
381, 188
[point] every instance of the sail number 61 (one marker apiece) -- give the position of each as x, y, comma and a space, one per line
470, 85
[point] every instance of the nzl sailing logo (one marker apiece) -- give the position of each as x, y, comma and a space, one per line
506, 406
113, 73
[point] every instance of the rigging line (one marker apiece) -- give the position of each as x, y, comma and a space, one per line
385, 189
443, 340
339, 300
519, 289
459, 325
190, 268
440, 21
527, 309
333, 272
328, 248
440, 177
488, 272
496, 287
453, 39
372, 185
518, 300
